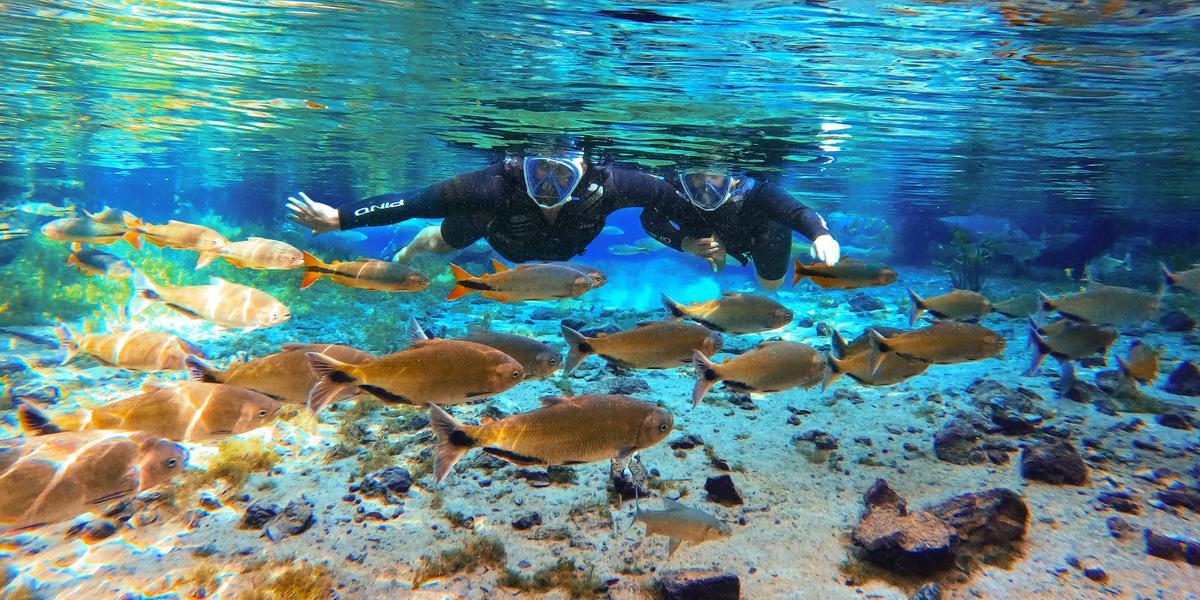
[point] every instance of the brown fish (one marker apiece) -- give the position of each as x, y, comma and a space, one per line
52, 478
733, 313
564, 431
179, 235
651, 345
286, 376
847, 274
87, 231
533, 281
1068, 340
365, 274
1018, 307
221, 302
957, 305
184, 411
539, 360
256, 253
1188, 280
682, 523
1142, 364
135, 349
97, 262
114, 216
854, 360
768, 367
598, 276
1103, 304
943, 343
431, 371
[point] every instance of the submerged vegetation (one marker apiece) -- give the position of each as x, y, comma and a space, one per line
299, 581
576, 581
967, 261
474, 553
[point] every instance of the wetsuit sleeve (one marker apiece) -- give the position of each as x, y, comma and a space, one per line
630, 188
659, 226
779, 206
469, 193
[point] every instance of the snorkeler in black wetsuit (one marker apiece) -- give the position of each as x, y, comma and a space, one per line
717, 214
533, 208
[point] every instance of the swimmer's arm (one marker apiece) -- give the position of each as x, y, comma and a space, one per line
468, 193
778, 205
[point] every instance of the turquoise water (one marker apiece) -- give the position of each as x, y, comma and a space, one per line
1065, 133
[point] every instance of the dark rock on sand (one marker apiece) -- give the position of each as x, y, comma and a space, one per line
1056, 462
721, 490
389, 482
958, 443
526, 521
1184, 380
895, 538
686, 441
295, 519
929, 591
698, 584
861, 302
1121, 502
994, 516
1177, 321
1174, 420
1172, 548
1118, 527
627, 386
257, 515
1181, 495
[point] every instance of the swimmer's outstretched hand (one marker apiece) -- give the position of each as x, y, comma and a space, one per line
312, 214
826, 249
710, 249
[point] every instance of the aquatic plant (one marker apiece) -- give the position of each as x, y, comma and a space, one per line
202, 577
236, 460
300, 581
564, 574
474, 553
967, 261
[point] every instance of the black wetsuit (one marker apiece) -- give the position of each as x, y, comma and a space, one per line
492, 203
757, 228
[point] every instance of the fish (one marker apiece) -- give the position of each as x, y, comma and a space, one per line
847, 274
179, 235
433, 371
612, 230
286, 376
733, 313
650, 345
134, 349
226, 304
1188, 280
349, 237
981, 224
7, 234
957, 305
1018, 307
565, 430
256, 253
183, 411
628, 250
598, 276
365, 274
52, 478
1068, 340
532, 281
97, 262
1108, 264
45, 209
682, 523
1142, 364
942, 343
768, 367
1102, 304
854, 360
114, 216
540, 361
87, 231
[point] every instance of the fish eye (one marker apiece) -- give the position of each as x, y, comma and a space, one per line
662, 427
171, 462
262, 413
516, 374
553, 361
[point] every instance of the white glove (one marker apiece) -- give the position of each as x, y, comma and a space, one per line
314, 215
826, 249
594, 192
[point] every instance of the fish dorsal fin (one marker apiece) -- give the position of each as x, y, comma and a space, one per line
154, 386
729, 294
175, 222
669, 504
498, 266
486, 420
554, 400
258, 239
422, 343
647, 323
415, 332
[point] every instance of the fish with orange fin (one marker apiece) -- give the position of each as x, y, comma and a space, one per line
87, 231
956, 305
256, 253
114, 216
1188, 280
943, 343
532, 281
97, 262
226, 304
365, 274
847, 274
184, 411
135, 350
7, 233
181, 236
52, 478
1141, 363
650, 345
768, 367
854, 360
286, 375
1102, 304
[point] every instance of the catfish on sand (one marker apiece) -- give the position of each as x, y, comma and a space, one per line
652, 345
682, 523
847, 274
52, 478
768, 367
428, 372
286, 376
365, 274
733, 313
540, 361
564, 431
185, 411
534, 281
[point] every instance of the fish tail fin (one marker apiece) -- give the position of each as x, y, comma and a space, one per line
800, 273
879, 350
498, 266
35, 421
1168, 276
837, 344
1123, 368
206, 258
311, 272
706, 376
66, 340
333, 376
578, 349
134, 237
460, 275
1045, 305
673, 308
144, 293
918, 307
1040, 350
1127, 262
415, 332
453, 441
198, 370
833, 372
